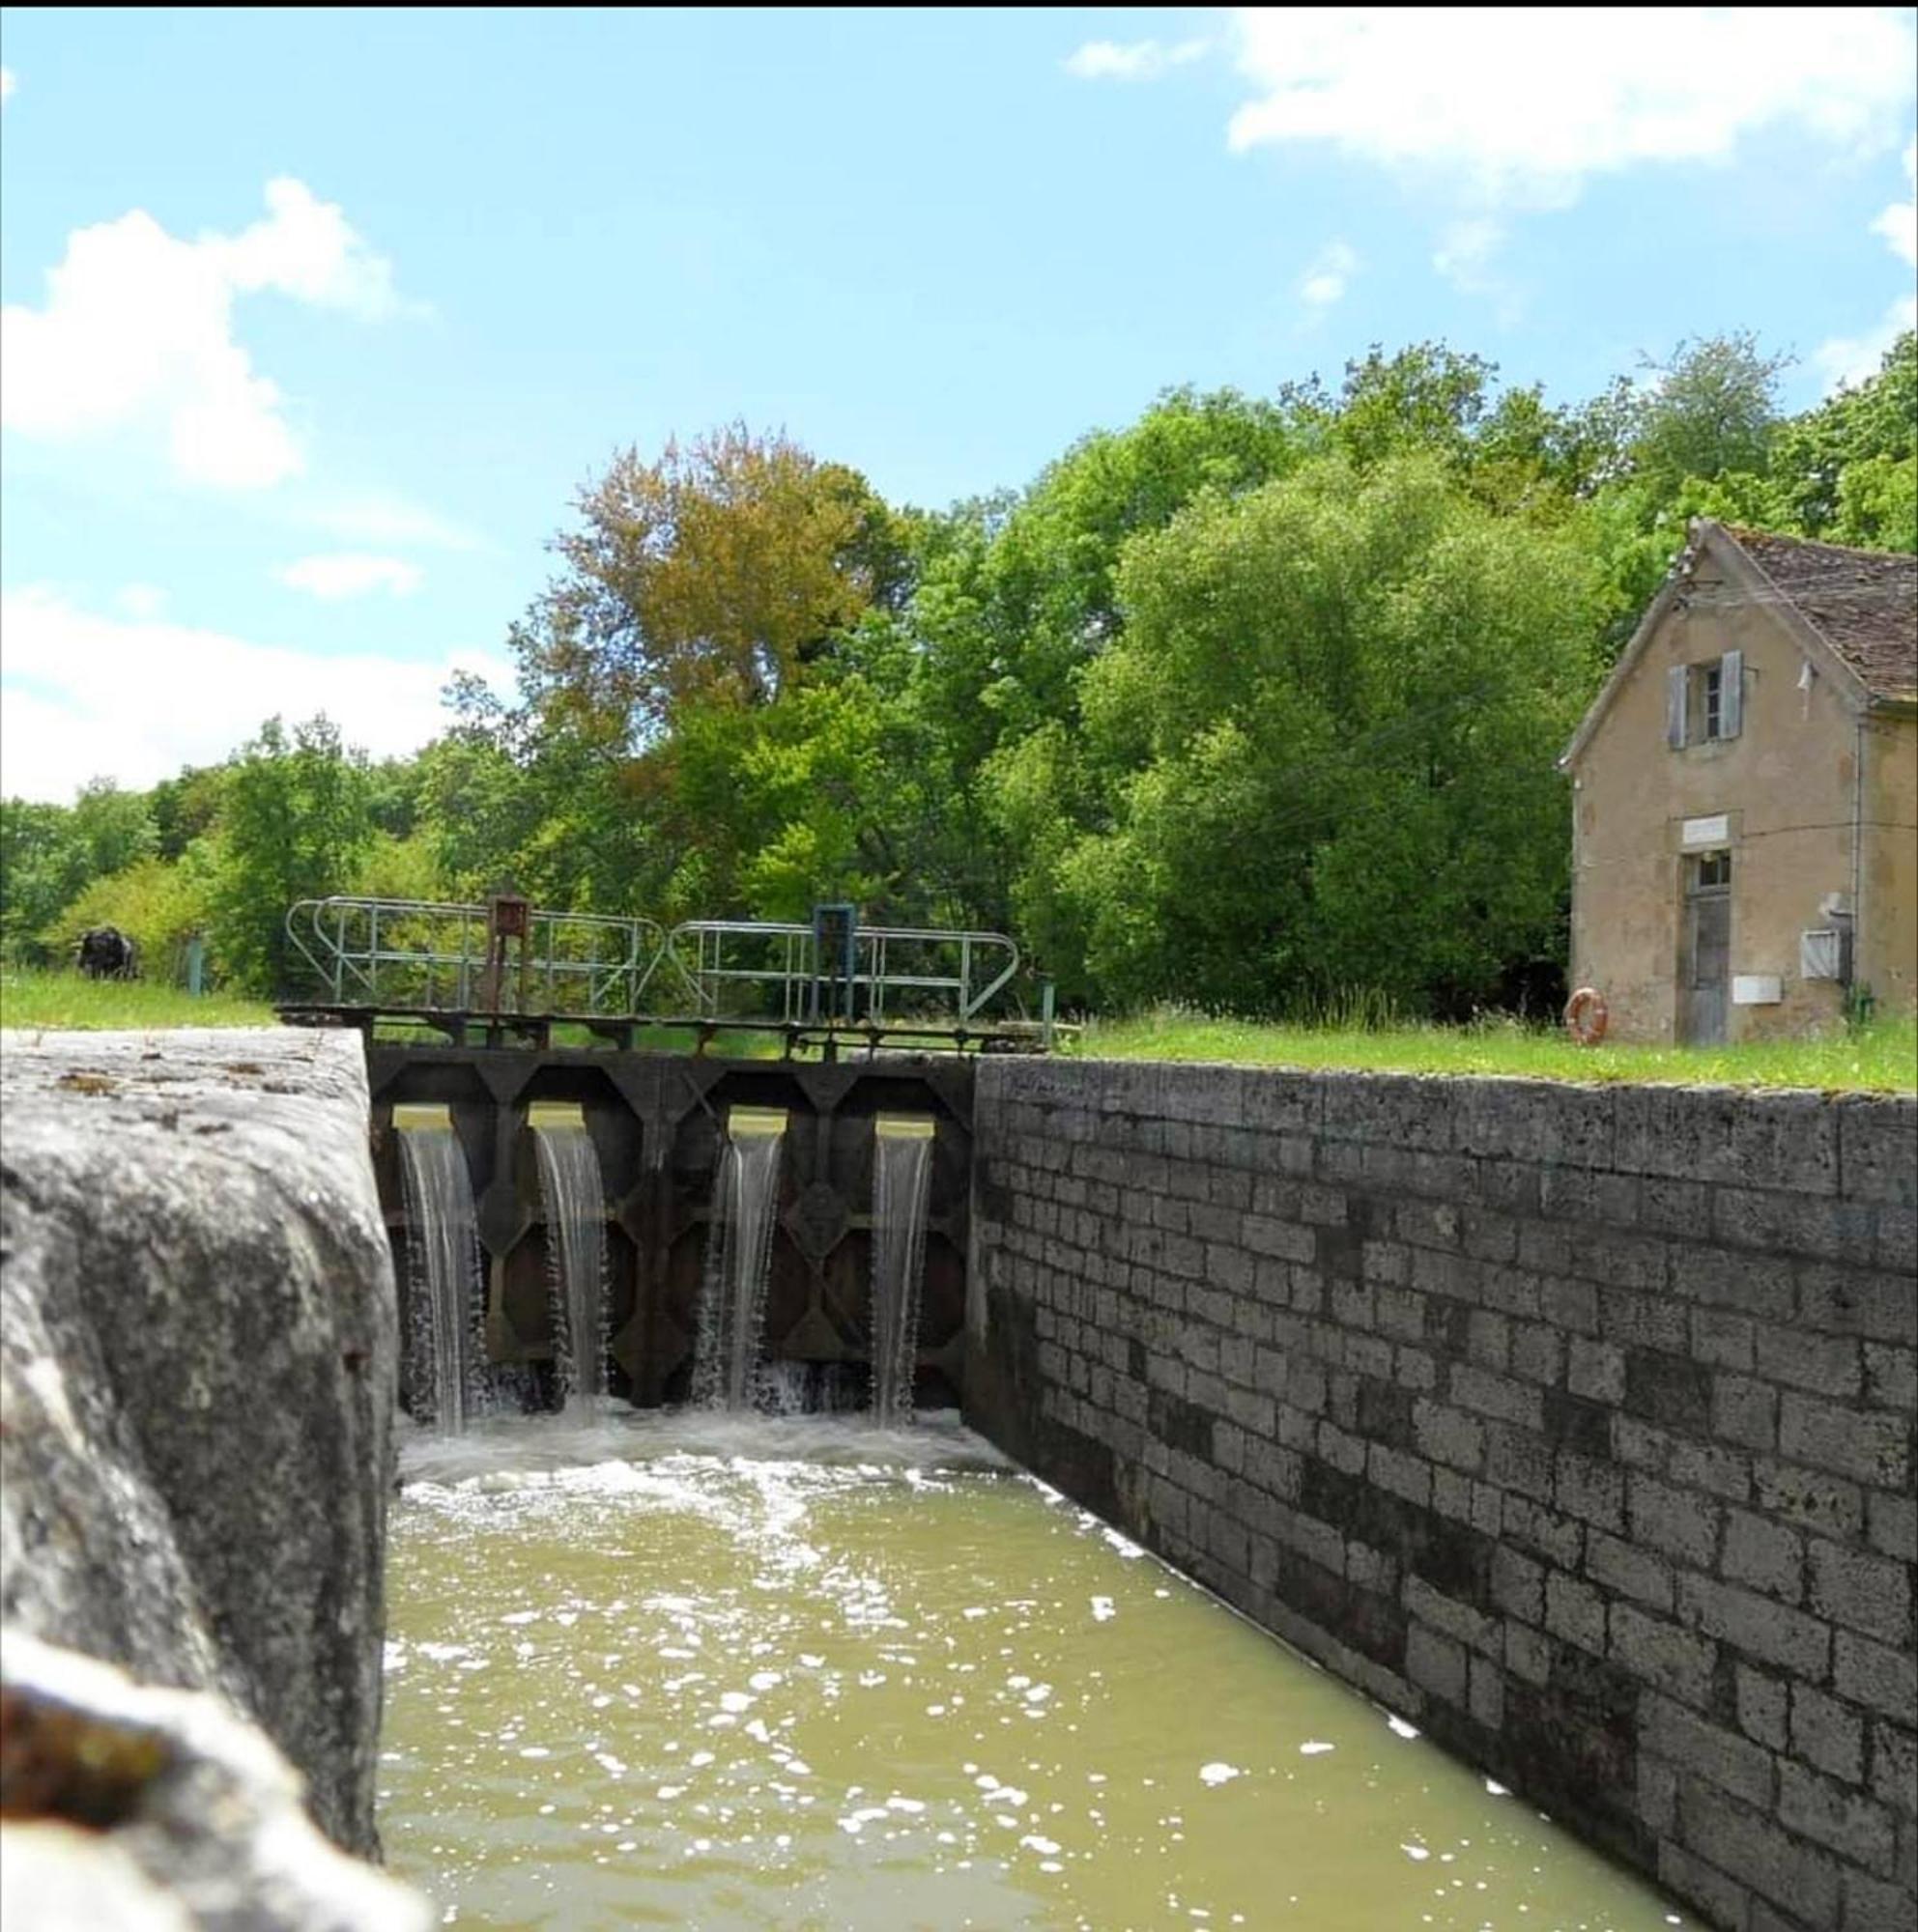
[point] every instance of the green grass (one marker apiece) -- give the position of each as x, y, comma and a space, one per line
55, 1002
1879, 1057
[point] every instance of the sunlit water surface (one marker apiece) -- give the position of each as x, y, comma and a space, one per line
705, 1672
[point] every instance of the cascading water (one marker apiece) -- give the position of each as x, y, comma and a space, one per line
902, 1173
445, 1286
569, 1182
733, 1298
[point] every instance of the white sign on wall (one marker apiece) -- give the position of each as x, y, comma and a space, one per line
1756, 989
1713, 831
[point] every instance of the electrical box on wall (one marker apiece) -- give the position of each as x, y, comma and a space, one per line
1756, 989
1820, 955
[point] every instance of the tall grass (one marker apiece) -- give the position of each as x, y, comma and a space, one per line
56, 1002
1879, 1056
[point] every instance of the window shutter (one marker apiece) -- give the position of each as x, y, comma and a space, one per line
1731, 694
1675, 681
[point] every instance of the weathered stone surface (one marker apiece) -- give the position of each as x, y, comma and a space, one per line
131, 1809
197, 1366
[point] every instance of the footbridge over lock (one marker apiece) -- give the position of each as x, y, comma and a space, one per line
511, 970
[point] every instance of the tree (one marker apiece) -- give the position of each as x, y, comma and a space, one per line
297, 823
1847, 470
1710, 410
1321, 758
712, 576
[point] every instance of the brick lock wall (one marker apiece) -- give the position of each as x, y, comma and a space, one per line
1576, 1423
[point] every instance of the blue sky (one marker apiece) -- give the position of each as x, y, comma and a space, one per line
316, 322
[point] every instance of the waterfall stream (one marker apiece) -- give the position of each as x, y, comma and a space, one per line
733, 1298
569, 1182
902, 1171
444, 1280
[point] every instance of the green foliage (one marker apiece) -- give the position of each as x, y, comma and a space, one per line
1322, 752
297, 824
1711, 412
49, 853
1847, 470
157, 905
64, 1001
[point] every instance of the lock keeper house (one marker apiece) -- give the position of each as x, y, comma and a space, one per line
1745, 796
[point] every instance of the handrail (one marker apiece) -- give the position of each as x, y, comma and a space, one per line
422, 955
791, 971
428, 956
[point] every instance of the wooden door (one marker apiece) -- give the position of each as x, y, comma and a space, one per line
1705, 968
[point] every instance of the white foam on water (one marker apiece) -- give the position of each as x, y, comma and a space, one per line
1215, 1773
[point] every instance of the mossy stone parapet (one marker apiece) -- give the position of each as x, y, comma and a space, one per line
198, 1365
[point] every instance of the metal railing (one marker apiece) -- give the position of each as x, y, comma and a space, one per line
399, 956
742, 968
412, 954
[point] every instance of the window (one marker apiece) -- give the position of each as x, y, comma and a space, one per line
1704, 701
1710, 870
1711, 688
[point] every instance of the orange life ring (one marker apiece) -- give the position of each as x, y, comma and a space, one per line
1586, 1015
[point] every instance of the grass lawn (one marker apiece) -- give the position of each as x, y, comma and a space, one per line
55, 1002
1881, 1058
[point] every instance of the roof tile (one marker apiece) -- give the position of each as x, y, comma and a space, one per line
1863, 602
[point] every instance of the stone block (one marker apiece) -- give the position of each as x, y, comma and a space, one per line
1871, 1448
1629, 1571
1436, 1664
1877, 1141
1859, 1301
1765, 1556
1678, 1662
1575, 1611
1800, 1878
1881, 1679
1722, 1758
1855, 1827
1766, 1631
1673, 1521
1764, 1706
1866, 1593
1827, 1735
198, 1355
141, 1807
1497, 1396
1596, 1371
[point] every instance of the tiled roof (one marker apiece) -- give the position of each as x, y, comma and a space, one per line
1863, 602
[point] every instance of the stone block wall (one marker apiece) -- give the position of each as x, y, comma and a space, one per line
1576, 1424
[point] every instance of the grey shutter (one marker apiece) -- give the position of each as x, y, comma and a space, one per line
1675, 681
1731, 693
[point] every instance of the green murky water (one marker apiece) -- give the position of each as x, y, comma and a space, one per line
798, 1675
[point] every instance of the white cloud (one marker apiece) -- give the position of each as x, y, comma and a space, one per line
1332, 268
92, 696
1521, 107
138, 329
1853, 358
140, 600
349, 573
1899, 223
392, 520
1465, 253
6, 83
1138, 60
